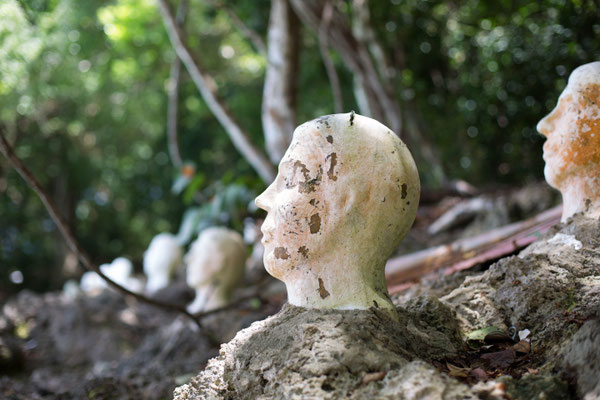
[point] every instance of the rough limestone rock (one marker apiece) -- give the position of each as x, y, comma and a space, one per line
581, 358
554, 277
330, 354
552, 288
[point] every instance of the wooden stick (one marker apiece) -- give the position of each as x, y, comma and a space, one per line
465, 253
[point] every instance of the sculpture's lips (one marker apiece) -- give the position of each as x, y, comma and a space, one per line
266, 237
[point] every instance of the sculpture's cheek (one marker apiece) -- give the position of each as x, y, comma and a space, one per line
573, 134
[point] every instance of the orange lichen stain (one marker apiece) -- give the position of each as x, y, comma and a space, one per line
585, 148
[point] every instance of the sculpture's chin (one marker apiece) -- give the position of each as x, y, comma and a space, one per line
275, 268
552, 176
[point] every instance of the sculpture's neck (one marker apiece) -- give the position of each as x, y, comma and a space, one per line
157, 282
581, 194
209, 297
339, 285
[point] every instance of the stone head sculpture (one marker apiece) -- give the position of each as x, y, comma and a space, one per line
161, 259
572, 147
346, 194
215, 267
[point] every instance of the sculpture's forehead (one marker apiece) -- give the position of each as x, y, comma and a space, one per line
584, 82
586, 74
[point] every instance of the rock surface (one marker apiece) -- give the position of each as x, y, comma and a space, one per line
552, 289
104, 347
329, 354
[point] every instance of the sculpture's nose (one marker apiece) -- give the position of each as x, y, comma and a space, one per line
546, 124
264, 200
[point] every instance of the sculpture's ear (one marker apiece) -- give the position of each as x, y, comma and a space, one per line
345, 201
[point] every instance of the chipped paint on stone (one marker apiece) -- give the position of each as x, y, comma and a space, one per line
322, 291
281, 253
303, 250
315, 223
404, 191
332, 157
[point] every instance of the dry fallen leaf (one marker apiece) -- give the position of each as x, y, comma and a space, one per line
479, 374
500, 359
522, 347
373, 377
458, 372
532, 371
486, 335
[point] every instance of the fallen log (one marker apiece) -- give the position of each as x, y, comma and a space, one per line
466, 253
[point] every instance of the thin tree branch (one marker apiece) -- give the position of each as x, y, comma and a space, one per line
73, 244
173, 91
365, 33
334, 80
250, 34
205, 84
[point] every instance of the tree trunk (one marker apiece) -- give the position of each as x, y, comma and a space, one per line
279, 94
373, 79
173, 92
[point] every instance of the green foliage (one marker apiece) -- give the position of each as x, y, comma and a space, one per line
82, 96
222, 205
482, 73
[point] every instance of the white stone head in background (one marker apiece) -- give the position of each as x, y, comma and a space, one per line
215, 267
161, 260
120, 271
346, 194
572, 148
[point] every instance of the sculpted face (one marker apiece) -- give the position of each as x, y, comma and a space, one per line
345, 195
572, 148
297, 207
572, 129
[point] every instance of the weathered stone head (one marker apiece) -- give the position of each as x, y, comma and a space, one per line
215, 267
346, 194
161, 260
572, 148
